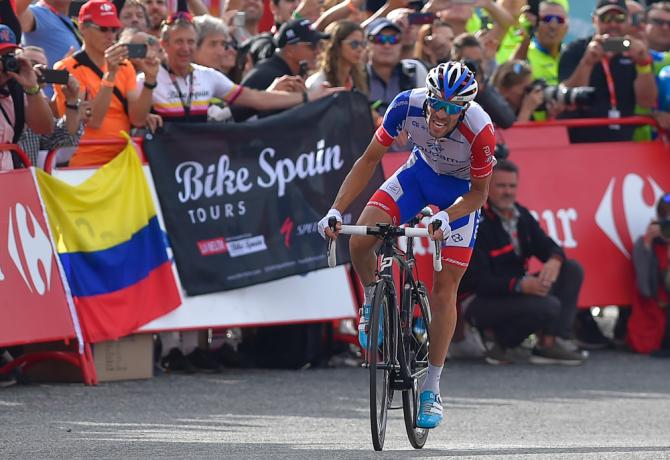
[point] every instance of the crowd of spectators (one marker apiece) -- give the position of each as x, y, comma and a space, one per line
195, 67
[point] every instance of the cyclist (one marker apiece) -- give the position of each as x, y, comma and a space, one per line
450, 167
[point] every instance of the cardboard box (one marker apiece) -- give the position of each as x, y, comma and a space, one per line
128, 358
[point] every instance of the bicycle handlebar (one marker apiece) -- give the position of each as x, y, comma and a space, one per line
408, 232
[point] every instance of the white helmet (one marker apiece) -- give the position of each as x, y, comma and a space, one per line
452, 81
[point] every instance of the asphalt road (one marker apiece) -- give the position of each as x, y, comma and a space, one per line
617, 406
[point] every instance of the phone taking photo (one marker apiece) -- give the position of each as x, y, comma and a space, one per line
616, 45
136, 50
421, 18
51, 76
303, 68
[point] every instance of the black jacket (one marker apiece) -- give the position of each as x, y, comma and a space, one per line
495, 269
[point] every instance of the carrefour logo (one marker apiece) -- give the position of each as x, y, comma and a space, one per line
625, 211
30, 249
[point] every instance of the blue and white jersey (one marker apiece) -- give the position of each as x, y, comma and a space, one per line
466, 153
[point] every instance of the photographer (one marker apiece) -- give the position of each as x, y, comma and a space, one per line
617, 66
514, 81
21, 101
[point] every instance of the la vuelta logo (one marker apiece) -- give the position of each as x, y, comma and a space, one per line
625, 210
30, 249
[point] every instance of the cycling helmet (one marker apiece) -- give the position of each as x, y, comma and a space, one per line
451, 81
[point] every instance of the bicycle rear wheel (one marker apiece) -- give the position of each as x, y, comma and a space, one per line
380, 359
415, 351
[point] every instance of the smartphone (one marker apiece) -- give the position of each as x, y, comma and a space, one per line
136, 50
616, 44
421, 18
303, 68
58, 77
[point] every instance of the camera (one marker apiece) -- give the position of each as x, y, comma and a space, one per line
9, 63
579, 96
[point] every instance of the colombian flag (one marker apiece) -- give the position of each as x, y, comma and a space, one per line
111, 247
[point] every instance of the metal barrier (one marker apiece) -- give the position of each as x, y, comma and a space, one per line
51, 156
19, 151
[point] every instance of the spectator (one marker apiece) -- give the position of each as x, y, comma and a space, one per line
342, 58
183, 89
296, 42
508, 300
253, 11
637, 24
47, 24
68, 128
544, 49
157, 11
215, 47
108, 81
468, 49
388, 74
282, 11
514, 81
649, 324
134, 15
585, 63
459, 14
433, 43
657, 26
21, 101
409, 32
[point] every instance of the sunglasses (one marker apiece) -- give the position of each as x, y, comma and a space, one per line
618, 18
385, 39
549, 18
102, 28
659, 22
179, 16
355, 44
448, 107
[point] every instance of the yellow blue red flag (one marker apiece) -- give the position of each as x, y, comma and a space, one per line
111, 247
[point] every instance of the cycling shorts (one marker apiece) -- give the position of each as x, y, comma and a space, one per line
414, 186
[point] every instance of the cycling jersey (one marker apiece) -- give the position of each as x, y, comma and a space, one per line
466, 152
438, 171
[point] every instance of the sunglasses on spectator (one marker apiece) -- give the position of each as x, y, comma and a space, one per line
385, 39
618, 18
102, 28
549, 18
355, 44
179, 16
448, 107
659, 22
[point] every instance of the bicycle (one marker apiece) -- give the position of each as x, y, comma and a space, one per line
399, 360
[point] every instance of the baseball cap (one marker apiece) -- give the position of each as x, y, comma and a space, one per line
7, 38
606, 5
296, 31
380, 24
99, 12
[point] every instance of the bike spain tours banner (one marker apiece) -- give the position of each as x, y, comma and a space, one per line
241, 201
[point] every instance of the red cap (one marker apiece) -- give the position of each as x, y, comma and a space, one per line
7, 38
99, 12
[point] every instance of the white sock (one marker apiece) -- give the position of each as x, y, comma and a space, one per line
368, 292
432, 382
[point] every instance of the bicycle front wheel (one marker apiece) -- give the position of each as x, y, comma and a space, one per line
416, 357
380, 358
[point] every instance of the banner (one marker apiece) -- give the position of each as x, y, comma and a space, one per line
241, 201
34, 305
594, 200
112, 248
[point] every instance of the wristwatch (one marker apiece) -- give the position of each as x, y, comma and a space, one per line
74, 106
32, 90
148, 85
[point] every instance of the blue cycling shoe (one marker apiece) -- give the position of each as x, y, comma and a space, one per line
363, 326
430, 410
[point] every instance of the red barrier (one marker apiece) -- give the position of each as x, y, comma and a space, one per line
35, 305
19, 151
593, 199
